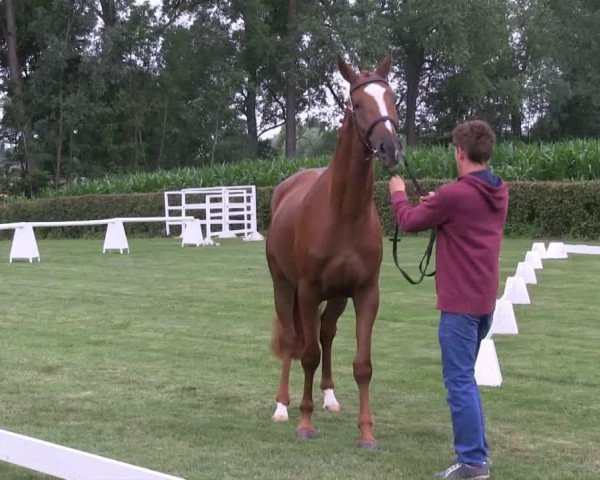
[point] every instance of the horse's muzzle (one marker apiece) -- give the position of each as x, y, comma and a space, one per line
390, 152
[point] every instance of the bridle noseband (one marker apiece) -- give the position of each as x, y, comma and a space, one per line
384, 118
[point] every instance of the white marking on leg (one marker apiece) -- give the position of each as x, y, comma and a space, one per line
377, 92
330, 403
281, 413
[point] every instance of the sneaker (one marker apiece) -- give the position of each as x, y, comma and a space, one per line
454, 459
462, 470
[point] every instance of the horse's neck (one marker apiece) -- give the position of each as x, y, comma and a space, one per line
352, 173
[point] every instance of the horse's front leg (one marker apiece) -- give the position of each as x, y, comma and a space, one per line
309, 314
366, 304
335, 307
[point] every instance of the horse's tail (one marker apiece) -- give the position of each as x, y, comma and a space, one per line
290, 341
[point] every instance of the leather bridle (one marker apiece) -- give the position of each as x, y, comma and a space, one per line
384, 118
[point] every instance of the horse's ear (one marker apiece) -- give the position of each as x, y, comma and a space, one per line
346, 70
383, 69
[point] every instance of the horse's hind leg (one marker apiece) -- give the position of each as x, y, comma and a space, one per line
283, 393
335, 307
284, 342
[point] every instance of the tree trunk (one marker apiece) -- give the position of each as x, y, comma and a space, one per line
414, 69
249, 56
162, 137
59, 142
16, 84
250, 108
109, 13
61, 110
516, 123
290, 98
215, 140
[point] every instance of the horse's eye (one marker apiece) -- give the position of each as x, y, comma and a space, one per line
356, 106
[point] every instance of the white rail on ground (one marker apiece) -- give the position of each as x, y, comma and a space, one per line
68, 463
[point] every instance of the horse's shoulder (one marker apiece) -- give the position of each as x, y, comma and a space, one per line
310, 173
295, 186
303, 177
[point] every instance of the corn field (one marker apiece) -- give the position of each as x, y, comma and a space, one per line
563, 161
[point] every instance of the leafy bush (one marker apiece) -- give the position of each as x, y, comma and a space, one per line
536, 209
87, 207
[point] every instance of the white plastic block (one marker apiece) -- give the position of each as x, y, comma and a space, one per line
556, 250
487, 367
584, 249
525, 270
504, 321
210, 242
534, 259
515, 291
192, 234
24, 245
253, 237
540, 248
115, 239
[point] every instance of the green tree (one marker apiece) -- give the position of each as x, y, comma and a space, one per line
573, 103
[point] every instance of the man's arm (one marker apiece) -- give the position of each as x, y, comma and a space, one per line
429, 214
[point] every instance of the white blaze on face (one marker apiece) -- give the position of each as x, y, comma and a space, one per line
377, 91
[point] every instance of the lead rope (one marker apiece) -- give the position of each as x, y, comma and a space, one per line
424, 263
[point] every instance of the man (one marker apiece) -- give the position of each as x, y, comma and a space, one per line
469, 216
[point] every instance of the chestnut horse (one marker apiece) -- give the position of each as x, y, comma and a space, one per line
325, 244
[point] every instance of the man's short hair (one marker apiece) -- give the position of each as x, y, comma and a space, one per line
476, 138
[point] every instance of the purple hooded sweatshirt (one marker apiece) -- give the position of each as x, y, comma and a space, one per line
469, 216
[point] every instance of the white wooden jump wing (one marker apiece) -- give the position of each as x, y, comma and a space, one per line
225, 212
68, 463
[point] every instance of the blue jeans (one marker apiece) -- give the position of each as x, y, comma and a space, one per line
460, 336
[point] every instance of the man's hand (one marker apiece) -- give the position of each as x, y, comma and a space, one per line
396, 185
425, 198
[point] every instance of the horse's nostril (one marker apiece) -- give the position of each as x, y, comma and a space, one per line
382, 148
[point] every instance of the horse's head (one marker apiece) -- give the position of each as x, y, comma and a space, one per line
373, 104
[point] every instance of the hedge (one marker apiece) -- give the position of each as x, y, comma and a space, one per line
537, 210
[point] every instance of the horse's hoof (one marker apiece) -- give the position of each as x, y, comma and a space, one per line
374, 445
280, 418
306, 433
333, 408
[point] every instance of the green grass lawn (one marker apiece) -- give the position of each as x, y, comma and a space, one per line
160, 358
